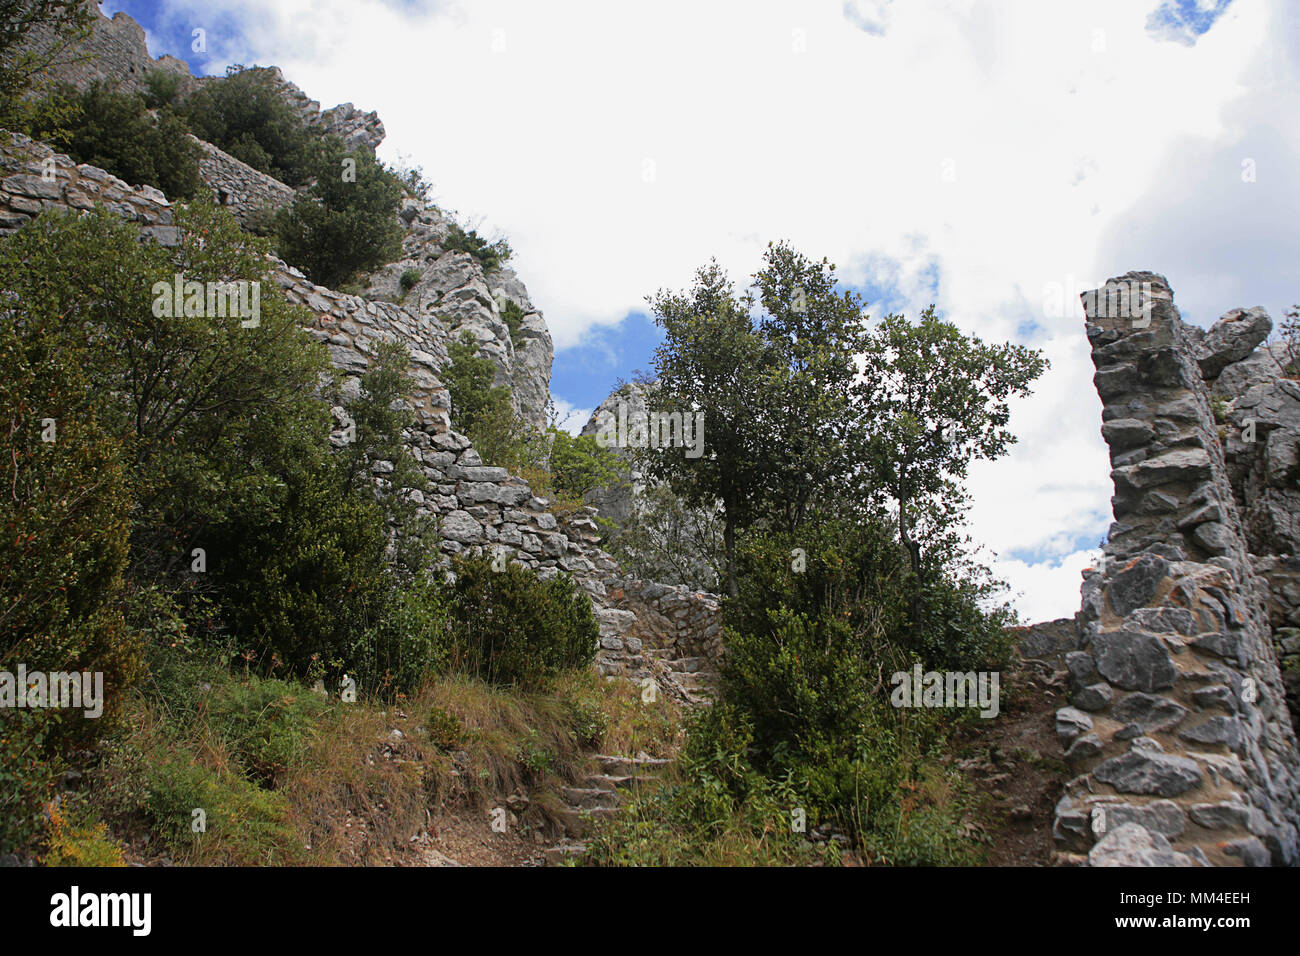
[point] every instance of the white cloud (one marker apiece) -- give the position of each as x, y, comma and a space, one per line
570, 417
1002, 147
1049, 589
869, 15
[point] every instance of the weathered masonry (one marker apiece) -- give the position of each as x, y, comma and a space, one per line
1179, 734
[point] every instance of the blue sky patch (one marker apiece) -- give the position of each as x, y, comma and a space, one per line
1182, 21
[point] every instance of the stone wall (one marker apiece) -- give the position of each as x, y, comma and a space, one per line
34, 177
479, 509
1178, 733
115, 52
249, 194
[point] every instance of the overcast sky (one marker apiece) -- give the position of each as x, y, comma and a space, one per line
992, 158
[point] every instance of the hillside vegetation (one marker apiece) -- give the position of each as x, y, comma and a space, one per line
296, 675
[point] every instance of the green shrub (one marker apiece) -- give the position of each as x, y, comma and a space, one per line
25, 65
247, 824
63, 529
76, 838
579, 464
491, 255
161, 87
510, 627
346, 222
805, 647
445, 729
265, 724
226, 448
115, 132
29, 766
476, 403
513, 316
335, 579
244, 114
409, 279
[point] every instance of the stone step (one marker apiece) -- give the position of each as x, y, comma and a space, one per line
610, 783
581, 823
614, 765
587, 797
568, 849
695, 682
688, 665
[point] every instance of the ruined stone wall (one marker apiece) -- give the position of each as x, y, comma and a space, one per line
249, 194
479, 509
115, 52
1179, 732
33, 177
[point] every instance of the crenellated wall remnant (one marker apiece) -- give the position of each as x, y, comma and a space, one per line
1179, 731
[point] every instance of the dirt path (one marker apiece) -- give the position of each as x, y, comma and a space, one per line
1015, 763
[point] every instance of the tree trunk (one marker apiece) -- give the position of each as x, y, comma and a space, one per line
729, 546
914, 558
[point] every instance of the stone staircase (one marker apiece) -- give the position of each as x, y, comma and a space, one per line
598, 798
693, 677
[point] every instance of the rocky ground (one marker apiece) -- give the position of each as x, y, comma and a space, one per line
1014, 762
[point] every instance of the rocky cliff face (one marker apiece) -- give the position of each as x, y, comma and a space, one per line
1179, 732
618, 502
455, 291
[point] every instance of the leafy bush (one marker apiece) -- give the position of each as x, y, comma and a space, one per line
579, 464
322, 587
668, 541
244, 114
805, 647
476, 403
161, 87
60, 25
491, 255
510, 627
247, 824
812, 638
79, 842
346, 222
64, 530
28, 768
513, 316
226, 448
409, 279
115, 132
264, 724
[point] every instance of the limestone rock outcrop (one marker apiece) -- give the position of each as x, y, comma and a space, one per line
116, 51
618, 502
453, 289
